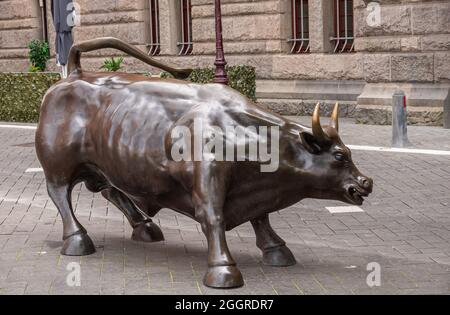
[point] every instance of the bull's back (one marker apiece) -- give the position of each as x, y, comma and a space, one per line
113, 124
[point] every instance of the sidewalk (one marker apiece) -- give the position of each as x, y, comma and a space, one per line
405, 228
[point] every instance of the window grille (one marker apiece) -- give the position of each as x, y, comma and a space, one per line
186, 44
343, 38
155, 43
300, 27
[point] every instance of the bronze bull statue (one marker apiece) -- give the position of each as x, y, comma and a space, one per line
113, 131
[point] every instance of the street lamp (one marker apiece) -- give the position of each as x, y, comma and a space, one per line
220, 75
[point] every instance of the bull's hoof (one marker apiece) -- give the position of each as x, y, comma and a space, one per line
78, 245
223, 277
147, 232
280, 256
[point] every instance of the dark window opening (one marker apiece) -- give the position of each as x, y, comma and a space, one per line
300, 27
155, 44
185, 44
343, 39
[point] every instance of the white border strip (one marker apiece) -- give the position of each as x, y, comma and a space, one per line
18, 127
398, 150
344, 209
34, 170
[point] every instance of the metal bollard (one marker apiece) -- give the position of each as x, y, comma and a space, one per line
447, 112
399, 120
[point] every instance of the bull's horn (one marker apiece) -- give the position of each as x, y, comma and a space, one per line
335, 117
316, 127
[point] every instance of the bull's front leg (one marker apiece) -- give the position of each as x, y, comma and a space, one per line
274, 249
210, 182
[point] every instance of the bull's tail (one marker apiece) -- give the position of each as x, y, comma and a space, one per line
111, 42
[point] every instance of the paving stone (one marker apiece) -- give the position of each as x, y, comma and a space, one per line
404, 228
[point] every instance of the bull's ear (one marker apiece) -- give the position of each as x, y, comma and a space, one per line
310, 143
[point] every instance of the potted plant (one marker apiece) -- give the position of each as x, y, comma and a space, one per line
38, 55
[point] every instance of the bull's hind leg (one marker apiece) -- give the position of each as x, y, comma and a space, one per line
144, 229
76, 240
274, 249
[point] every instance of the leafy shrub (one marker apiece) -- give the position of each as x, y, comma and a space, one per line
21, 95
241, 78
111, 64
38, 55
34, 69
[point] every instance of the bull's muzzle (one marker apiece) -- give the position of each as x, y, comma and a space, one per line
366, 183
355, 192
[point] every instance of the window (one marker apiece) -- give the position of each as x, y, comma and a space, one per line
343, 39
185, 45
155, 44
300, 27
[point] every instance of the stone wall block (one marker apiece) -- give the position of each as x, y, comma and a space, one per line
107, 6
14, 53
112, 18
243, 28
377, 67
253, 47
133, 33
411, 43
431, 18
412, 68
377, 44
395, 20
20, 24
17, 9
442, 66
234, 9
14, 65
18, 38
318, 66
436, 42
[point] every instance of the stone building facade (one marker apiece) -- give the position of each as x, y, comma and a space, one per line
395, 44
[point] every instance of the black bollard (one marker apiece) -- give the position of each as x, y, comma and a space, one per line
399, 120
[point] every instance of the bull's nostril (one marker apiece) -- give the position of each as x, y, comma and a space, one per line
365, 183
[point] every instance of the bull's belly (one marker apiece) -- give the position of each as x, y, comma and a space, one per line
152, 189
166, 192
237, 210
243, 208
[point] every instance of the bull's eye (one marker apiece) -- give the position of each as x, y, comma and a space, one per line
339, 156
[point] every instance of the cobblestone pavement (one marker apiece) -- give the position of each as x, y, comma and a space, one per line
404, 227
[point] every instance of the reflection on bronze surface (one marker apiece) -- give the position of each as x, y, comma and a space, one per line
112, 132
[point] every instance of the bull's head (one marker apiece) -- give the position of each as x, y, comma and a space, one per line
326, 165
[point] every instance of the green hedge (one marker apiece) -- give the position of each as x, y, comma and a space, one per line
21, 95
241, 78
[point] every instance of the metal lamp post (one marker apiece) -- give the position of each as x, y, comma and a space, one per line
220, 63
